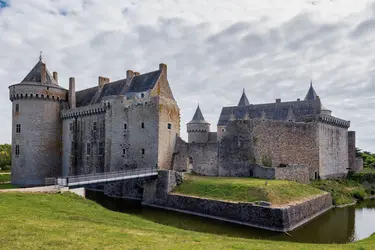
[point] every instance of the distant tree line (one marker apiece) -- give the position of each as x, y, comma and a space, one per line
368, 158
5, 156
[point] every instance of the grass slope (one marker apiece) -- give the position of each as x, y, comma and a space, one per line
4, 177
66, 221
278, 192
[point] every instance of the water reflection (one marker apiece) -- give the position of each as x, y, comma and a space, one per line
340, 225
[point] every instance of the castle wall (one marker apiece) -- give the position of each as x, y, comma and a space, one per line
333, 151
132, 147
200, 158
40, 137
86, 126
299, 173
268, 143
351, 149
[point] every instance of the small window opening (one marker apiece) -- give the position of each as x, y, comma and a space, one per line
143, 125
18, 128
101, 148
71, 126
88, 149
17, 107
125, 126
94, 126
143, 151
123, 151
142, 95
17, 150
169, 126
316, 175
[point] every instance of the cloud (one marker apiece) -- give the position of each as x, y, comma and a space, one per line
213, 49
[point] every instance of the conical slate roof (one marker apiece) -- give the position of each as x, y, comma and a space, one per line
243, 101
35, 75
198, 117
311, 94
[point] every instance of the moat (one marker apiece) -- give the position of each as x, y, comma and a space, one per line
339, 225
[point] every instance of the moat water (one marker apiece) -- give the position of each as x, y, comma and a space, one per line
339, 225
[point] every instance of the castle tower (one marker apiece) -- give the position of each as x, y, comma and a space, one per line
243, 100
36, 126
198, 129
311, 95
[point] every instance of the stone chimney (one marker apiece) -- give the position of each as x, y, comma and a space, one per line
129, 76
163, 68
43, 73
102, 80
55, 76
278, 100
136, 73
72, 93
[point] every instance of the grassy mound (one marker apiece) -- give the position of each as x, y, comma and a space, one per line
66, 221
278, 192
4, 177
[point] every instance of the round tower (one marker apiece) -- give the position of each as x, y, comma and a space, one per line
36, 127
198, 129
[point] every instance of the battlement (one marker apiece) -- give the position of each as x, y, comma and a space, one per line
333, 121
37, 92
83, 111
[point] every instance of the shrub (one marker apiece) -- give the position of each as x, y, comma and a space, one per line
359, 194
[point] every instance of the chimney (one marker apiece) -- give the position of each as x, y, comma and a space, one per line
136, 73
43, 73
129, 76
72, 93
278, 100
55, 76
163, 68
298, 99
102, 80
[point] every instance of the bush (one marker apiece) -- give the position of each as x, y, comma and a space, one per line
359, 194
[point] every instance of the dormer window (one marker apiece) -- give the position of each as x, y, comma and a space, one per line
142, 95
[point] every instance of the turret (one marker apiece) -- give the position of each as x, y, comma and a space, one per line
198, 129
36, 127
311, 95
243, 100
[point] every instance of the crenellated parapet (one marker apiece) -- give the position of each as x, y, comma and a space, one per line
84, 111
333, 121
37, 92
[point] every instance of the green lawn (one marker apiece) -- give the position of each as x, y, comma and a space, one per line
7, 186
278, 192
66, 221
4, 177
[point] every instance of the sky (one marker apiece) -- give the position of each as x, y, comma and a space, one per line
213, 49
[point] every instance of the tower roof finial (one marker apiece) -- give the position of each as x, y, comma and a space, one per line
40, 56
243, 100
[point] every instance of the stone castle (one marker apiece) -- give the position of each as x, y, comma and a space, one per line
134, 123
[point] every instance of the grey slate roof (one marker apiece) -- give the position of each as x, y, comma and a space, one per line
311, 94
272, 111
139, 83
35, 75
198, 117
243, 101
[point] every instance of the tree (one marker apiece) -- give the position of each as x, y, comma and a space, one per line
5, 156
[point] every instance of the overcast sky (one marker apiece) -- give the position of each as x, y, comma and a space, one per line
213, 49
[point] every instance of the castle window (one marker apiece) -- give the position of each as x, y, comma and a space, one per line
125, 126
123, 151
72, 149
17, 107
88, 149
143, 151
222, 130
143, 125
71, 126
94, 126
18, 128
169, 126
17, 150
101, 148
142, 95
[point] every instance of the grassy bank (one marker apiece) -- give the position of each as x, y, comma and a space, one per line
66, 221
278, 192
4, 177
344, 191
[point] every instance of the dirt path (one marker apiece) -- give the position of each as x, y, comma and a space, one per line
45, 189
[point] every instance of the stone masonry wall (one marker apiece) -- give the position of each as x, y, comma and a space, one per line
351, 149
277, 219
200, 158
267, 142
299, 173
333, 151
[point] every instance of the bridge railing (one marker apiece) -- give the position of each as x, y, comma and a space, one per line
113, 175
